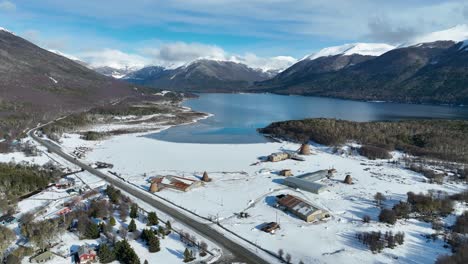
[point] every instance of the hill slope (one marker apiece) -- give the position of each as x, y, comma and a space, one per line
426, 73
38, 85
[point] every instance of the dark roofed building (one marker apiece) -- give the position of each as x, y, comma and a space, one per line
7, 219
301, 208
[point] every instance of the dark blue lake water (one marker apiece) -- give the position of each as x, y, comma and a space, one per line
237, 116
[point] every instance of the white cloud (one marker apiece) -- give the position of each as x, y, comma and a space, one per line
179, 53
113, 58
265, 63
176, 54
7, 6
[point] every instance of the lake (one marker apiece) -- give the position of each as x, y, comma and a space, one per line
236, 117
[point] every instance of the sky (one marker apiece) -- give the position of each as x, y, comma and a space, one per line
256, 32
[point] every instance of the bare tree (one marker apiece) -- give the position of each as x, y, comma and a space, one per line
379, 198
288, 258
123, 232
280, 253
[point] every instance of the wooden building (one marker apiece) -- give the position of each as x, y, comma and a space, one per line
278, 156
301, 208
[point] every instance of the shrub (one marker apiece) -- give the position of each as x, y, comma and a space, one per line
461, 224
366, 219
372, 152
402, 209
387, 216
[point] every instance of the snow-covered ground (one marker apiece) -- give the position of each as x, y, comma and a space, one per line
47, 203
239, 186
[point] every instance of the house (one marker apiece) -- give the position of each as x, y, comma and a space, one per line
286, 173
301, 208
173, 182
307, 181
7, 219
278, 156
64, 211
86, 254
65, 183
270, 227
41, 258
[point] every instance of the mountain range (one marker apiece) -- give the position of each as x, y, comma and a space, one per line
427, 69
200, 76
434, 72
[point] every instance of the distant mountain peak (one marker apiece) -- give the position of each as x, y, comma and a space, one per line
6, 30
365, 49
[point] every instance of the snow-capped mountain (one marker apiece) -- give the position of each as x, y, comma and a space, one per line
116, 73
199, 76
434, 72
456, 34
365, 49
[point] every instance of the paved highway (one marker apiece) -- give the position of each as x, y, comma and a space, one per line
241, 253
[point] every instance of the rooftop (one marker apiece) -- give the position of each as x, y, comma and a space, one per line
296, 204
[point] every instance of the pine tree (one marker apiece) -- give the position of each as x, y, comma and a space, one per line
134, 211
92, 231
153, 244
112, 221
146, 262
124, 253
132, 226
161, 232
152, 219
187, 255
105, 254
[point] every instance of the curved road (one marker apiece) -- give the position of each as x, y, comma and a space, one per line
240, 252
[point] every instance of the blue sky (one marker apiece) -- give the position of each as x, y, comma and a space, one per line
258, 29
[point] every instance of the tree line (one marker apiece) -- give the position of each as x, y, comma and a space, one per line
439, 139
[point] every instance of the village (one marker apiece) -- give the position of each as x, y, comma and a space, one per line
267, 194
271, 194
77, 194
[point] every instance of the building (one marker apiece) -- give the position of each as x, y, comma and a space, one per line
7, 219
65, 183
286, 173
270, 227
41, 258
86, 254
279, 156
173, 182
307, 181
301, 208
64, 211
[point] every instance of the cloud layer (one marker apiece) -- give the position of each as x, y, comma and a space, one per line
7, 6
172, 55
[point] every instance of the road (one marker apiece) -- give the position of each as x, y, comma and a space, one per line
241, 253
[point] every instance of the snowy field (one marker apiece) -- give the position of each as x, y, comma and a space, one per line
47, 203
239, 186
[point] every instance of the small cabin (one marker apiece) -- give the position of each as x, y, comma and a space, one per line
270, 227
86, 254
279, 156
42, 258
